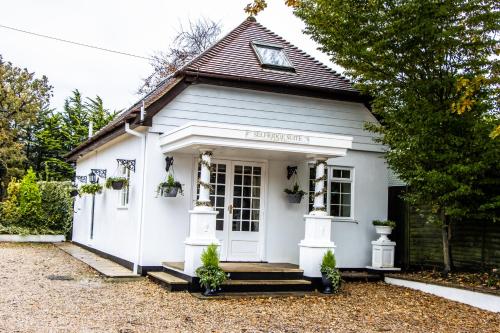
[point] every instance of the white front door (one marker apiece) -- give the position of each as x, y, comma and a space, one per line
237, 195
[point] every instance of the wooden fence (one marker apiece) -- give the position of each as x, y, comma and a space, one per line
474, 244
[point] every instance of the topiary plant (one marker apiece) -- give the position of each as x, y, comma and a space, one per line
210, 274
331, 275
328, 261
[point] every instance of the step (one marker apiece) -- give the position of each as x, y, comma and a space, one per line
247, 271
170, 282
272, 285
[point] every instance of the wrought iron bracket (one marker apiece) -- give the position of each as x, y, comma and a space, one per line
99, 172
129, 164
81, 179
169, 161
291, 170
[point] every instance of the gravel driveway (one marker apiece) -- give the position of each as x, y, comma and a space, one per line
30, 301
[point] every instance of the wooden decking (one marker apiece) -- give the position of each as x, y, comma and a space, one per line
247, 267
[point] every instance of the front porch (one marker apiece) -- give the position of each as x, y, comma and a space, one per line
234, 213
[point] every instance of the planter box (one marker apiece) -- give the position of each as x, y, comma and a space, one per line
32, 238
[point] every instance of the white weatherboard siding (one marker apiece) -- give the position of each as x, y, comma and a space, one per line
114, 228
254, 108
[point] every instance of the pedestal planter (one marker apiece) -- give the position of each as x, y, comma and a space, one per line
295, 198
383, 231
383, 248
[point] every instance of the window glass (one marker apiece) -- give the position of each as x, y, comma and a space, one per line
339, 191
272, 55
125, 191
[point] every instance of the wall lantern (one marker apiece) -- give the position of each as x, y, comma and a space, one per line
92, 177
94, 173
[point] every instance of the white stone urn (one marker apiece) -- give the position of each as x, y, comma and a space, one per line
383, 231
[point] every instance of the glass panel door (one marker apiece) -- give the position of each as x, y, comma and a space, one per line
243, 242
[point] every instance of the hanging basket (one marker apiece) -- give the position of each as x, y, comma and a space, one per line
117, 184
294, 198
169, 193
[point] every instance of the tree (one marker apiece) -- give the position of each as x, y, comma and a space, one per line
431, 70
22, 98
61, 132
188, 43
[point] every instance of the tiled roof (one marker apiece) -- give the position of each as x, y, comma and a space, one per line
234, 56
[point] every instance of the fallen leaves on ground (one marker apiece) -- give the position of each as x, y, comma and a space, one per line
31, 302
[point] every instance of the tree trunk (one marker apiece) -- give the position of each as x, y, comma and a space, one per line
445, 231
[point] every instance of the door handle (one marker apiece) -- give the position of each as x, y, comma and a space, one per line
230, 209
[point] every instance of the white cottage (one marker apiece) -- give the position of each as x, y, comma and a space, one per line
256, 109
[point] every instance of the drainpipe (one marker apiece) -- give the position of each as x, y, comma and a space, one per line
140, 221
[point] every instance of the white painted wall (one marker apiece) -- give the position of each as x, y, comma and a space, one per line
255, 108
114, 227
167, 219
285, 223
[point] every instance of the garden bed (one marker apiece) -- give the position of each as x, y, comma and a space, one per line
485, 282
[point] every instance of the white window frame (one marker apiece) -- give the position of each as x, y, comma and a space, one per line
124, 172
328, 194
341, 180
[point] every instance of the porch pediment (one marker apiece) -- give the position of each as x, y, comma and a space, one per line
226, 138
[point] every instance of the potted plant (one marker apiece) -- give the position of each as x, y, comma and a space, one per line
116, 183
170, 188
295, 194
73, 192
384, 228
330, 275
210, 274
90, 189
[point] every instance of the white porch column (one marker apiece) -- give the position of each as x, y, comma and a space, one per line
318, 226
201, 220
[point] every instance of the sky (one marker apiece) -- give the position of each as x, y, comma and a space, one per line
136, 27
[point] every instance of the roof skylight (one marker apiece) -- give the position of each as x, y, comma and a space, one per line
272, 56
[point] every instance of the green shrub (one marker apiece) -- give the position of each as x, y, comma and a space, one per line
36, 208
9, 209
30, 201
210, 274
334, 276
328, 261
57, 206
